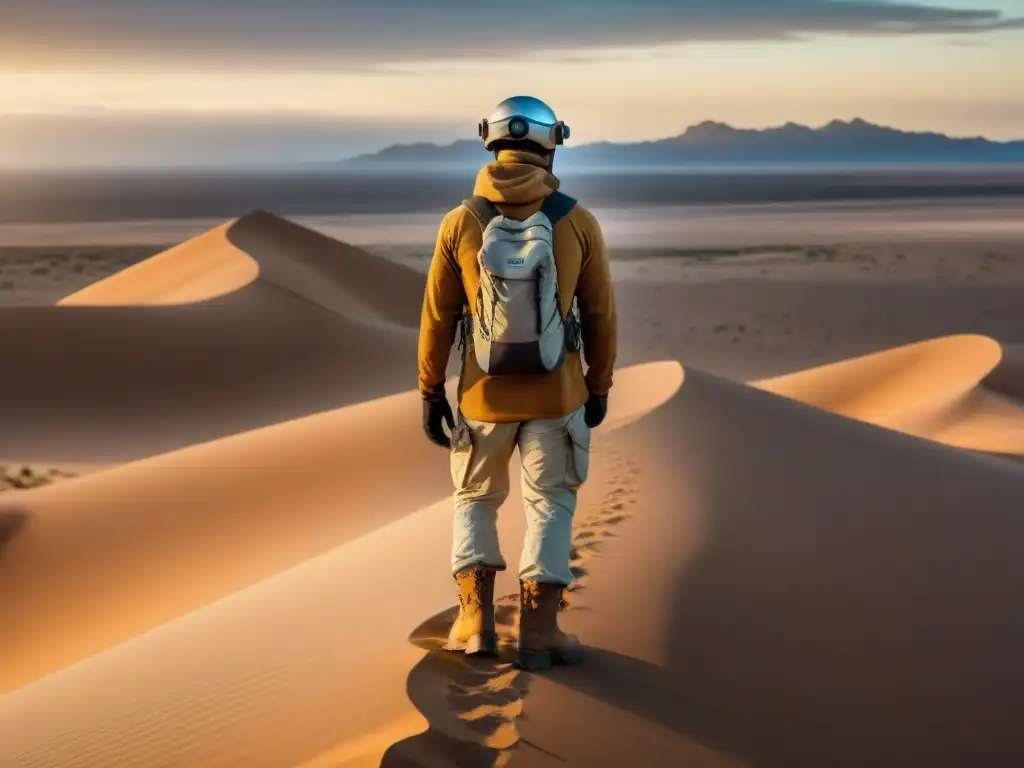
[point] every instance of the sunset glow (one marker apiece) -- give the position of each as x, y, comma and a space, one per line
962, 83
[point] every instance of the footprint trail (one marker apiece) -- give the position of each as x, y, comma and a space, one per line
478, 702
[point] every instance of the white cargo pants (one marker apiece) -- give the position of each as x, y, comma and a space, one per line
555, 455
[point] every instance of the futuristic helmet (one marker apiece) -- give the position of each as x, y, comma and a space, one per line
523, 118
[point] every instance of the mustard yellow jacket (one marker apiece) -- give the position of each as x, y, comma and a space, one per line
518, 183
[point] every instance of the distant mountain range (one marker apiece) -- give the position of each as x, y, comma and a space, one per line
711, 143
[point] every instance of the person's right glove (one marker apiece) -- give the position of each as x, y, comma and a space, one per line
435, 413
595, 410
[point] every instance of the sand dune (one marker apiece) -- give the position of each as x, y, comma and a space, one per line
202, 268
323, 325
807, 571
935, 389
752, 600
103, 557
263, 247
93, 561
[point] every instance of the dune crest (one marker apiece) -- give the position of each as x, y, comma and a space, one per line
933, 389
200, 269
262, 246
640, 390
329, 273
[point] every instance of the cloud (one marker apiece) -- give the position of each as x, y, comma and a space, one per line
962, 42
98, 139
345, 33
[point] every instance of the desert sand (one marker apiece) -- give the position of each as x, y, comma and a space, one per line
167, 354
799, 545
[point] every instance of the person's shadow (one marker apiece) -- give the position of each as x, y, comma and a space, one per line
757, 702
471, 704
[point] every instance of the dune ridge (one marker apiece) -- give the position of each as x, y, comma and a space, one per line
262, 246
202, 268
954, 390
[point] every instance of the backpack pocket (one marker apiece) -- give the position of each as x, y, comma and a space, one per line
519, 329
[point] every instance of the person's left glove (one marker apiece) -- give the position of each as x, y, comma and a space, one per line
435, 414
595, 410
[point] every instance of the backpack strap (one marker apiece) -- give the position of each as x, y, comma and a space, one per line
557, 205
483, 210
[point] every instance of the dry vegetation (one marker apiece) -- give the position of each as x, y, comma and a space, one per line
21, 477
44, 275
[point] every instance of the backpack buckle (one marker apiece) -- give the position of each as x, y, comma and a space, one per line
465, 329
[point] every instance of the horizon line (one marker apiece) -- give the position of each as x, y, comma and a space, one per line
731, 126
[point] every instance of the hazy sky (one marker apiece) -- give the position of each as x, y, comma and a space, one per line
199, 81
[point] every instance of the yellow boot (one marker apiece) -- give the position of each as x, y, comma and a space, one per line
541, 643
473, 632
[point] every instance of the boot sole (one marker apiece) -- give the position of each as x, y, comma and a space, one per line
539, 661
483, 645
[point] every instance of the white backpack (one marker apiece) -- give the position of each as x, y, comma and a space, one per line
515, 324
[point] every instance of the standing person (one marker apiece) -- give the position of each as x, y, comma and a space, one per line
520, 269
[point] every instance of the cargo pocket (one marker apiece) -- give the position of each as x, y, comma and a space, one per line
461, 454
579, 436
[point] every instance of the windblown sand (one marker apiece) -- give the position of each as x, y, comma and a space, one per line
799, 545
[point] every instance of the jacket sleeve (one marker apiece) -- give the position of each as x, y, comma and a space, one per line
596, 297
443, 300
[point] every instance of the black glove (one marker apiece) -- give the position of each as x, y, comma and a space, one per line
434, 413
595, 410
